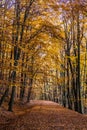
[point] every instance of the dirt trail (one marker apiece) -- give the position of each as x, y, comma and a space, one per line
42, 115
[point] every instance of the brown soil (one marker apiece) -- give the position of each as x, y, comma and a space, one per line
41, 115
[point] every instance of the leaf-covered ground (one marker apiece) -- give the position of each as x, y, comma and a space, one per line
41, 115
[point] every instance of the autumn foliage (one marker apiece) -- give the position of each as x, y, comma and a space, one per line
43, 52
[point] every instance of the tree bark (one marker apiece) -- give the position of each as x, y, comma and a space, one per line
12, 99
4, 96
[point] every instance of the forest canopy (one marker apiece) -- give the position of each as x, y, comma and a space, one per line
43, 52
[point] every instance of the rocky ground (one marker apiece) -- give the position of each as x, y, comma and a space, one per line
41, 115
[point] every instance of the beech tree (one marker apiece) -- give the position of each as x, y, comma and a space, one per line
43, 52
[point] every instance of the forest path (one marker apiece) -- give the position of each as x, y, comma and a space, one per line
42, 115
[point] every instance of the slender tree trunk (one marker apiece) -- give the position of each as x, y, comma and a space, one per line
78, 67
4, 96
12, 99
29, 90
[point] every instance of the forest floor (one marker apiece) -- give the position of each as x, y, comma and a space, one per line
41, 115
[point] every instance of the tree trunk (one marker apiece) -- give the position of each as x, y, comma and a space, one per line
12, 99
78, 67
29, 90
4, 95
